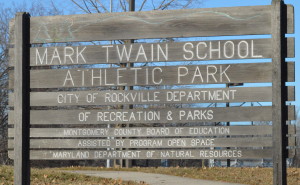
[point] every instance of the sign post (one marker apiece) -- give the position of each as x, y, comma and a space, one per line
22, 105
128, 163
279, 94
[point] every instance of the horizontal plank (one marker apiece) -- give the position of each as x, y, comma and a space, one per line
147, 143
154, 52
147, 154
154, 24
146, 131
163, 75
138, 116
207, 95
11, 26
250, 20
290, 22
203, 131
290, 48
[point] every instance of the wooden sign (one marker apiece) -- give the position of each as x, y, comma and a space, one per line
83, 89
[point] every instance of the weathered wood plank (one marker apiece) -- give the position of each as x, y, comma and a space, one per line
138, 116
248, 20
147, 143
151, 132
292, 153
157, 24
11, 25
290, 48
289, 72
147, 132
155, 52
290, 22
160, 75
207, 95
147, 154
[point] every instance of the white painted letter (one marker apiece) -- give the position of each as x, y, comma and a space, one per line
197, 74
124, 50
197, 50
211, 73
246, 49
188, 51
215, 50
153, 75
181, 74
97, 77
119, 76
141, 52
55, 55
224, 73
37, 56
252, 51
225, 49
68, 78
68, 55
165, 54
107, 52
80, 54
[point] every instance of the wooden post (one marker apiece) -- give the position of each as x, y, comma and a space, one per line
131, 9
21, 106
278, 99
228, 124
228, 85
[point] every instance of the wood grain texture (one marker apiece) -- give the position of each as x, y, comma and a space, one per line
279, 116
164, 75
290, 47
142, 154
140, 143
11, 25
249, 20
290, 19
155, 52
191, 115
21, 95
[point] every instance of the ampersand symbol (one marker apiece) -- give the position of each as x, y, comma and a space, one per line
169, 116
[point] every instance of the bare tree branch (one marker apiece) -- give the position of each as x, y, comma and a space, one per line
98, 6
188, 3
80, 6
102, 6
94, 4
161, 4
167, 4
143, 4
123, 6
87, 8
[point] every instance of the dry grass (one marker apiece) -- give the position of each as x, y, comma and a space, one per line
253, 176
55, 177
